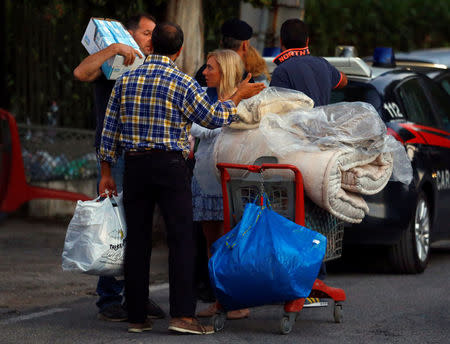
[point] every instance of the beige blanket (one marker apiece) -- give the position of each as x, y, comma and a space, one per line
271, 100
333, 179
340, 149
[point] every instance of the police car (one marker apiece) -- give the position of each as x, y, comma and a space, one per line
416, 111
434, 62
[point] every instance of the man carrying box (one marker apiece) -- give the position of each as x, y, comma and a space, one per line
149, 116
89, 70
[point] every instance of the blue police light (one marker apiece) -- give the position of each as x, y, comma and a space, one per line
271, 51
383, 57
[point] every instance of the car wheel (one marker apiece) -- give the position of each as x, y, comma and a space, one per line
411, 254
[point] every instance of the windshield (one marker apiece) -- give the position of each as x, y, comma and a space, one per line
357, 92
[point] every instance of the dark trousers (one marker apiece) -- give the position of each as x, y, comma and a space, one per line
163, 178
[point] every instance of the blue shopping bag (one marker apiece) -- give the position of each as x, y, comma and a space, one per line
265, 259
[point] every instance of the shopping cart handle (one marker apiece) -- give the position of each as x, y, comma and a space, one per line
225, 178
254, 168
222, 166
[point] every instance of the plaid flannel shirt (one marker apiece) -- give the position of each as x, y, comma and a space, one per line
154, 106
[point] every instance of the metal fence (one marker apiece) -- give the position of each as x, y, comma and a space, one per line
51, 153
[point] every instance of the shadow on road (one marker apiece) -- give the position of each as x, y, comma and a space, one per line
372, 259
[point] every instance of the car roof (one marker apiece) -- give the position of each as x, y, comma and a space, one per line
353, 67
437, 57
357, 69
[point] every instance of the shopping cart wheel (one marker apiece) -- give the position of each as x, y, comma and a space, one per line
338, 313
219, 321
287, 321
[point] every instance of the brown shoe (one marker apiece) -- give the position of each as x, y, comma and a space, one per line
140, 327
208, 312
238, 314
189, 325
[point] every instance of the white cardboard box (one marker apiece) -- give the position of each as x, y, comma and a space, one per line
102, 32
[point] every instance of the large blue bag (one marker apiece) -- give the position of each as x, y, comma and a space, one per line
265, 259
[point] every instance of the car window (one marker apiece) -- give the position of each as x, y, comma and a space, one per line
357, 92
445, 83
417, 107
441, 102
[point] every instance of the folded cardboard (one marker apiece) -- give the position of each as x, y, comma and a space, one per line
99, 34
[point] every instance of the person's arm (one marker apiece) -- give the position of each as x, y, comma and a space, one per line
246, 89
107, 181
338, 79
109, 144
342, 82
198, 108
107, 153
89, 68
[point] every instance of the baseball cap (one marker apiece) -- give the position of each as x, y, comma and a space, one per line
237, 29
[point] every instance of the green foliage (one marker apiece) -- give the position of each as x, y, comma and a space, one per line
403, 25
45, 47
261, 3
43, 40
213, 19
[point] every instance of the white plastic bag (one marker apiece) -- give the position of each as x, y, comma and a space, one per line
95, 238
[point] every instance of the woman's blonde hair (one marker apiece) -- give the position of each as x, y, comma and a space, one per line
255, 64
231, 70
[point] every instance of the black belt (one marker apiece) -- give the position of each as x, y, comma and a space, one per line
149, 152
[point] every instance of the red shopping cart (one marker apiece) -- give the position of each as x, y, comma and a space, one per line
284, 186
14, 188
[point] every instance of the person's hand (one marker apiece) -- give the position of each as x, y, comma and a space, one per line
246, 90
107, 187
128, 53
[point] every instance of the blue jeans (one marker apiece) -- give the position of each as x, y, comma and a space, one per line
109, 289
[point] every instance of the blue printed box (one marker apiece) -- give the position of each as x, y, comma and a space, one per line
99, 34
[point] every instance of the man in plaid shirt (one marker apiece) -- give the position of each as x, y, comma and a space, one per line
149, 116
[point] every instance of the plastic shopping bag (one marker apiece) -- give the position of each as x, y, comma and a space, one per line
95, 238
265, 259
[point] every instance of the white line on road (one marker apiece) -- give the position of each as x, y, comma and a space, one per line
152, 288
159, 287
33, 315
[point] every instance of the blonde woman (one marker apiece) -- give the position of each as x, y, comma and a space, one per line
223, 72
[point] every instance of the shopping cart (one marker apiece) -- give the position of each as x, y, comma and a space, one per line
14, 187
284, 186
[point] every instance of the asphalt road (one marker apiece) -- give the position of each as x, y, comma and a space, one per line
381, 308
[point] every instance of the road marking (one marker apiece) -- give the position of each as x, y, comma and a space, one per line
152, 288
33, 315
159, 287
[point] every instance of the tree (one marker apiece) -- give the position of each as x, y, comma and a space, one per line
189, 15
4, 99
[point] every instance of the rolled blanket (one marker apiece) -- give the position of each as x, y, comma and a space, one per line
273, 100
342, 150
370, 178
333, 179
240, 147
